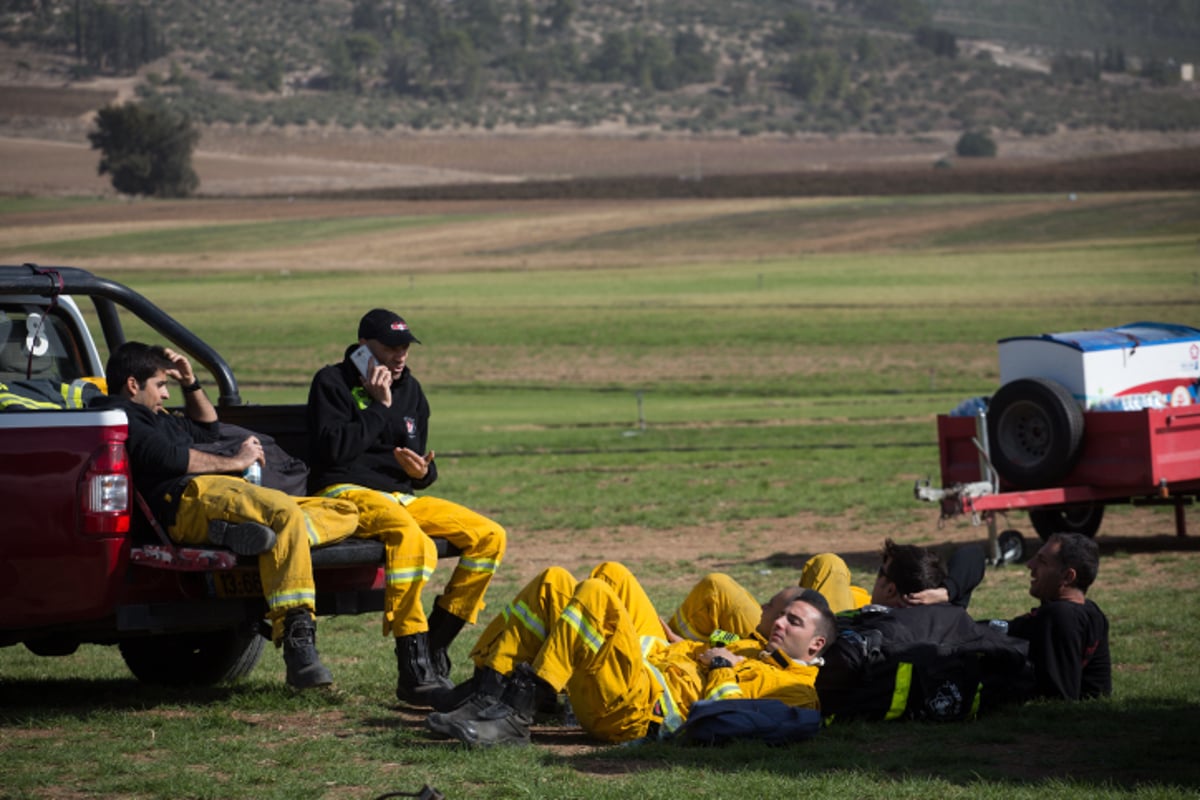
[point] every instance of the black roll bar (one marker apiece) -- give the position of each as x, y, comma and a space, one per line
106, 295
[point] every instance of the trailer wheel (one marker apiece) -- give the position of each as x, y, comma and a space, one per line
1011, 545
1035, 428
1082, 518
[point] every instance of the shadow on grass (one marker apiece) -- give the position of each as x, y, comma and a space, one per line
1101, 744
22, 700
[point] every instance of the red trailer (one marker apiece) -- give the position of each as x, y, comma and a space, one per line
1033, 447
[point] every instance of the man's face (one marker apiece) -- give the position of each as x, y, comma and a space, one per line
795, 631
151, 394
394, 358
884, 592
1046, 573
774, 608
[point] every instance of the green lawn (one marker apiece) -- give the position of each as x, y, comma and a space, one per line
656, 397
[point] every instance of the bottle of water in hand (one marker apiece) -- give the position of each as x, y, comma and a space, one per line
253, 473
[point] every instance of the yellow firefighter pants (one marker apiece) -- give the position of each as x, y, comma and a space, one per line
404, 524
586, 637
829, 575
517, 633
718, 602
299, 524
595, 650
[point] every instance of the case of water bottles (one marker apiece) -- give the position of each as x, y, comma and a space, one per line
1126, 368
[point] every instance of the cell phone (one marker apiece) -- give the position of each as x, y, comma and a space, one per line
362, 358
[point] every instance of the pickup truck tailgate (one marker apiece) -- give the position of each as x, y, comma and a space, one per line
51, 571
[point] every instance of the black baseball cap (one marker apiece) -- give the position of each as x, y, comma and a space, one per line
386, 327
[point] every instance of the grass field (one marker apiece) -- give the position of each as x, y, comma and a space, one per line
683, 386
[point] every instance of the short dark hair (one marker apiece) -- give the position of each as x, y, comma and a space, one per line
1080, 553
826, 622
134, 359
911, 568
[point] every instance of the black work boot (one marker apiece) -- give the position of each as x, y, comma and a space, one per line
507, 721
470, 697
243, 538
485, 681
417, 680
304, 667
443, 627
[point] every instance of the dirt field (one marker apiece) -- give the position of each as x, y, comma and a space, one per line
503, 236
788, 542
43, 145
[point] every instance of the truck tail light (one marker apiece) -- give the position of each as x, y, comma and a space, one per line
105, 491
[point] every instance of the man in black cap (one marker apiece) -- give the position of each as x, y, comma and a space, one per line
368, 424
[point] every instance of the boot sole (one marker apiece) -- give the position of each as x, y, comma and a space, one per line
315, 681
442, 722
421, 700
465, 735
243, 538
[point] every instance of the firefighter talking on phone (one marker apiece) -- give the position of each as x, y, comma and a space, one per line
368, 422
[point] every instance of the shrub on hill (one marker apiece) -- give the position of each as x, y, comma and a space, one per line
974, 144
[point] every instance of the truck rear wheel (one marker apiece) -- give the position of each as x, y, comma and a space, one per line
1035, 428
194, 659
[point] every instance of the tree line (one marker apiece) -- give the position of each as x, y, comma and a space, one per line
430, 48
118, 39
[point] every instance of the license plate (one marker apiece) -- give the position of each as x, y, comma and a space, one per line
237, 583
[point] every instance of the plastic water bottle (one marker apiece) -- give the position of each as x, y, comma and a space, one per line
253, 473
999, 625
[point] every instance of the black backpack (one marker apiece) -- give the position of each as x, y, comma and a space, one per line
929, 663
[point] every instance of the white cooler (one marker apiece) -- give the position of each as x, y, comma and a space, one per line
1140, 365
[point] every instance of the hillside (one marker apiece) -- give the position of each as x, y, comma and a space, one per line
700, 66
335, 94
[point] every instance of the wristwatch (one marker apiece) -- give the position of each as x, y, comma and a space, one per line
719, 662
194, 386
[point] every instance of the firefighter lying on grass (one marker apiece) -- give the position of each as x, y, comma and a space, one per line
602, 640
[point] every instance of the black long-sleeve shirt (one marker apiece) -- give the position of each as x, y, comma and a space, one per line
352, 437
1068, 645
159, 448
964, 571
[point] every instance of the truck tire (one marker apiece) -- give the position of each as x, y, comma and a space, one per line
1082, 518
1035, 428
194, 659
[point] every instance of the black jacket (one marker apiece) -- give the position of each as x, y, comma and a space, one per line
920, 662
351, 437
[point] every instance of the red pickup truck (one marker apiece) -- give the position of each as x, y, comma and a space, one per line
79, 560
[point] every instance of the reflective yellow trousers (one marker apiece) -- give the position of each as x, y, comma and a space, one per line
300, 523
405, 524
718, 602
587, 637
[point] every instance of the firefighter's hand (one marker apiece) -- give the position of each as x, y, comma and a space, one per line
415, 466
251, 451
181, 369
378, 383
927, 597
720, 652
